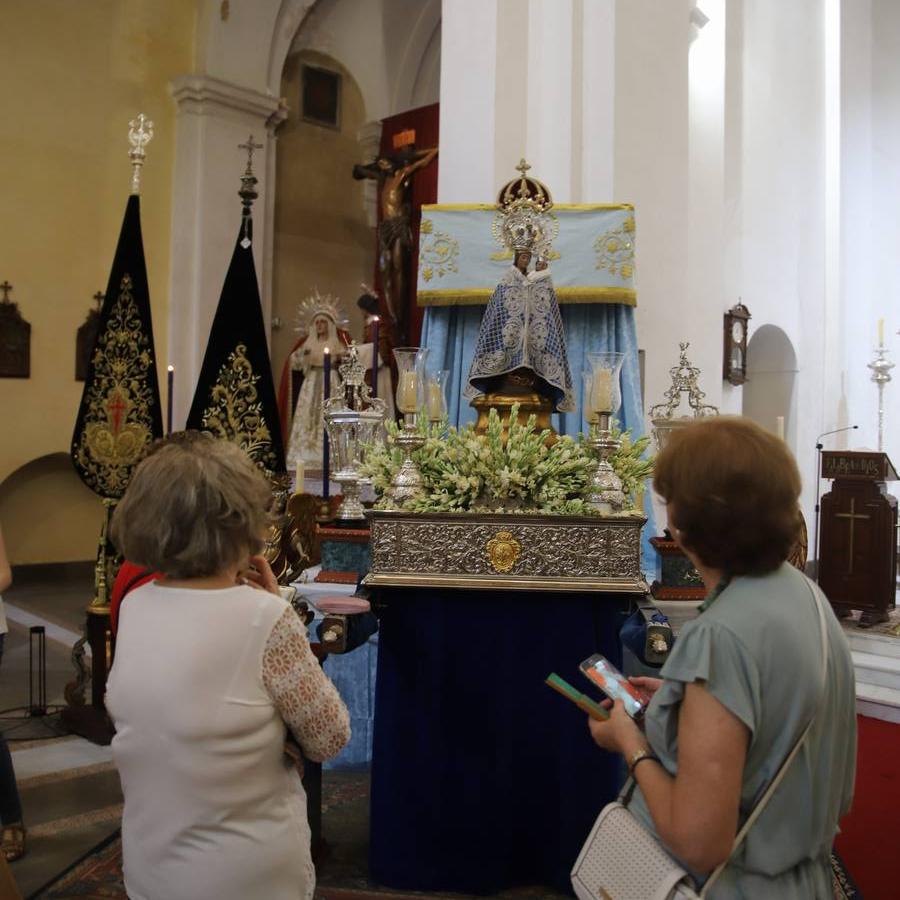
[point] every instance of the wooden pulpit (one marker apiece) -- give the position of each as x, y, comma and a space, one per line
857, 551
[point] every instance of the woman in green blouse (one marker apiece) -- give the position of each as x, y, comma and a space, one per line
743, 680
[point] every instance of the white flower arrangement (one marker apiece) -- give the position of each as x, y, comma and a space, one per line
467, 472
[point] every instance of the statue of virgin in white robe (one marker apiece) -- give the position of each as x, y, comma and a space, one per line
308, 427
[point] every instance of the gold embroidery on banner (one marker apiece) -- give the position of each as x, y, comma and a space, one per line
439, 253
615, 250
503, 550
118, 421
235, 411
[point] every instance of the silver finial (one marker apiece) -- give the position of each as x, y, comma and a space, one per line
248, 180
248, 192
140, 133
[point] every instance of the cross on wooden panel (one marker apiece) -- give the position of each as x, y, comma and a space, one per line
852, 516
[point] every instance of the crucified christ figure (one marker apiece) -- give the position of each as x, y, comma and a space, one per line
393, 174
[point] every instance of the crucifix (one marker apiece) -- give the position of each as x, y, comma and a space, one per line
250, 146
6, 287
853, 515
99, 297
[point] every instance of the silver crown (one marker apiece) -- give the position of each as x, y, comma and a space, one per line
523, 220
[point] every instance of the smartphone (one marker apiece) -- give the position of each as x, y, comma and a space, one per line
599, 670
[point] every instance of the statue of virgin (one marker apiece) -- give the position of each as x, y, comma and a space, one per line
320, 326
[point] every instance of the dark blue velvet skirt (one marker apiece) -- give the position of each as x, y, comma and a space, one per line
482, 776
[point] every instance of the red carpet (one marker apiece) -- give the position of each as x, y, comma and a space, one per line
868, 839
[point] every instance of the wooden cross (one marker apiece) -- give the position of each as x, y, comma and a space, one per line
852, 516
250, 146
6, 287
99, 297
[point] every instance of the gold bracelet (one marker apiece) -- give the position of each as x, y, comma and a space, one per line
639, 756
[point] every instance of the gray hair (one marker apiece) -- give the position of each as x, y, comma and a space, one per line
195, 506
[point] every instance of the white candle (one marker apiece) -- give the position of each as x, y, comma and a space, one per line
298, 487
601, 392
779, 426
880, 332
435, 401
407, 393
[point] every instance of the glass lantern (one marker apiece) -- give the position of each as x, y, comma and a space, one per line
605, 395
436, 395
410, 379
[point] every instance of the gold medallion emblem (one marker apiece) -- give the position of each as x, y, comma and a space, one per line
503, 551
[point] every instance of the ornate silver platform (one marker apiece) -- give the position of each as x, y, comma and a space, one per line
506, 552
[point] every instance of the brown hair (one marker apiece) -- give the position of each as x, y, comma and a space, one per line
732, 489
194, 507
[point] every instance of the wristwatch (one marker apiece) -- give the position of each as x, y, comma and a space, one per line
638, 756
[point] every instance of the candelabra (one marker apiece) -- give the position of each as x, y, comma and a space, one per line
881, 375
352, 420
685, 380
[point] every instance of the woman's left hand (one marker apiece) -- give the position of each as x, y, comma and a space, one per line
619, 733
260, 575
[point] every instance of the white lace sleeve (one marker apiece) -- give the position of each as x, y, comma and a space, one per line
307, 700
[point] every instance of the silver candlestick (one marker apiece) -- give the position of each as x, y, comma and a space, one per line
881, 375
604, 491
407, 483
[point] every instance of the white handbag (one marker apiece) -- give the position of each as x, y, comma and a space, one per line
621, 860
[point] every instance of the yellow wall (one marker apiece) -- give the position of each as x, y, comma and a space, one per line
75, 74
48, 513
322, 236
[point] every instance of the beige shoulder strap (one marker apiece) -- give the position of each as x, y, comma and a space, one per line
773, 785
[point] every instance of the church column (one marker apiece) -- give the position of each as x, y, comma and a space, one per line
468, 78
550, 133
213, 118
594, 160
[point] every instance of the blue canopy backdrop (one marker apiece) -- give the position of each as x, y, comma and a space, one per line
593, 273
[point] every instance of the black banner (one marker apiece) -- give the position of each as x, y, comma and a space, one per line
235, 396
120, 414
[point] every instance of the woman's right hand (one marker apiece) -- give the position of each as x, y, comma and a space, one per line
649, 686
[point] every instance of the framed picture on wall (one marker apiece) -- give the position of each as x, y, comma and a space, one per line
320, 100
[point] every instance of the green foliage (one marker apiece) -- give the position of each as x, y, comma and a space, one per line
467, 472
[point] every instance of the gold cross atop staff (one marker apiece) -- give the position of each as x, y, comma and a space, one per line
6, 287
250, 146
140, 133
853, 515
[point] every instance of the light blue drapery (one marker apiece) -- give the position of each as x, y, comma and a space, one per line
450, 334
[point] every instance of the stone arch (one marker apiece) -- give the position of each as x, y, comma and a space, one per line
235, 91
36, 530
771, 389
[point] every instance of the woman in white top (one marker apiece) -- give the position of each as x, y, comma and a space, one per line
211, 667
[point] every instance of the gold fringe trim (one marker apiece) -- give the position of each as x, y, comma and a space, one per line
577, 207
566, 295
